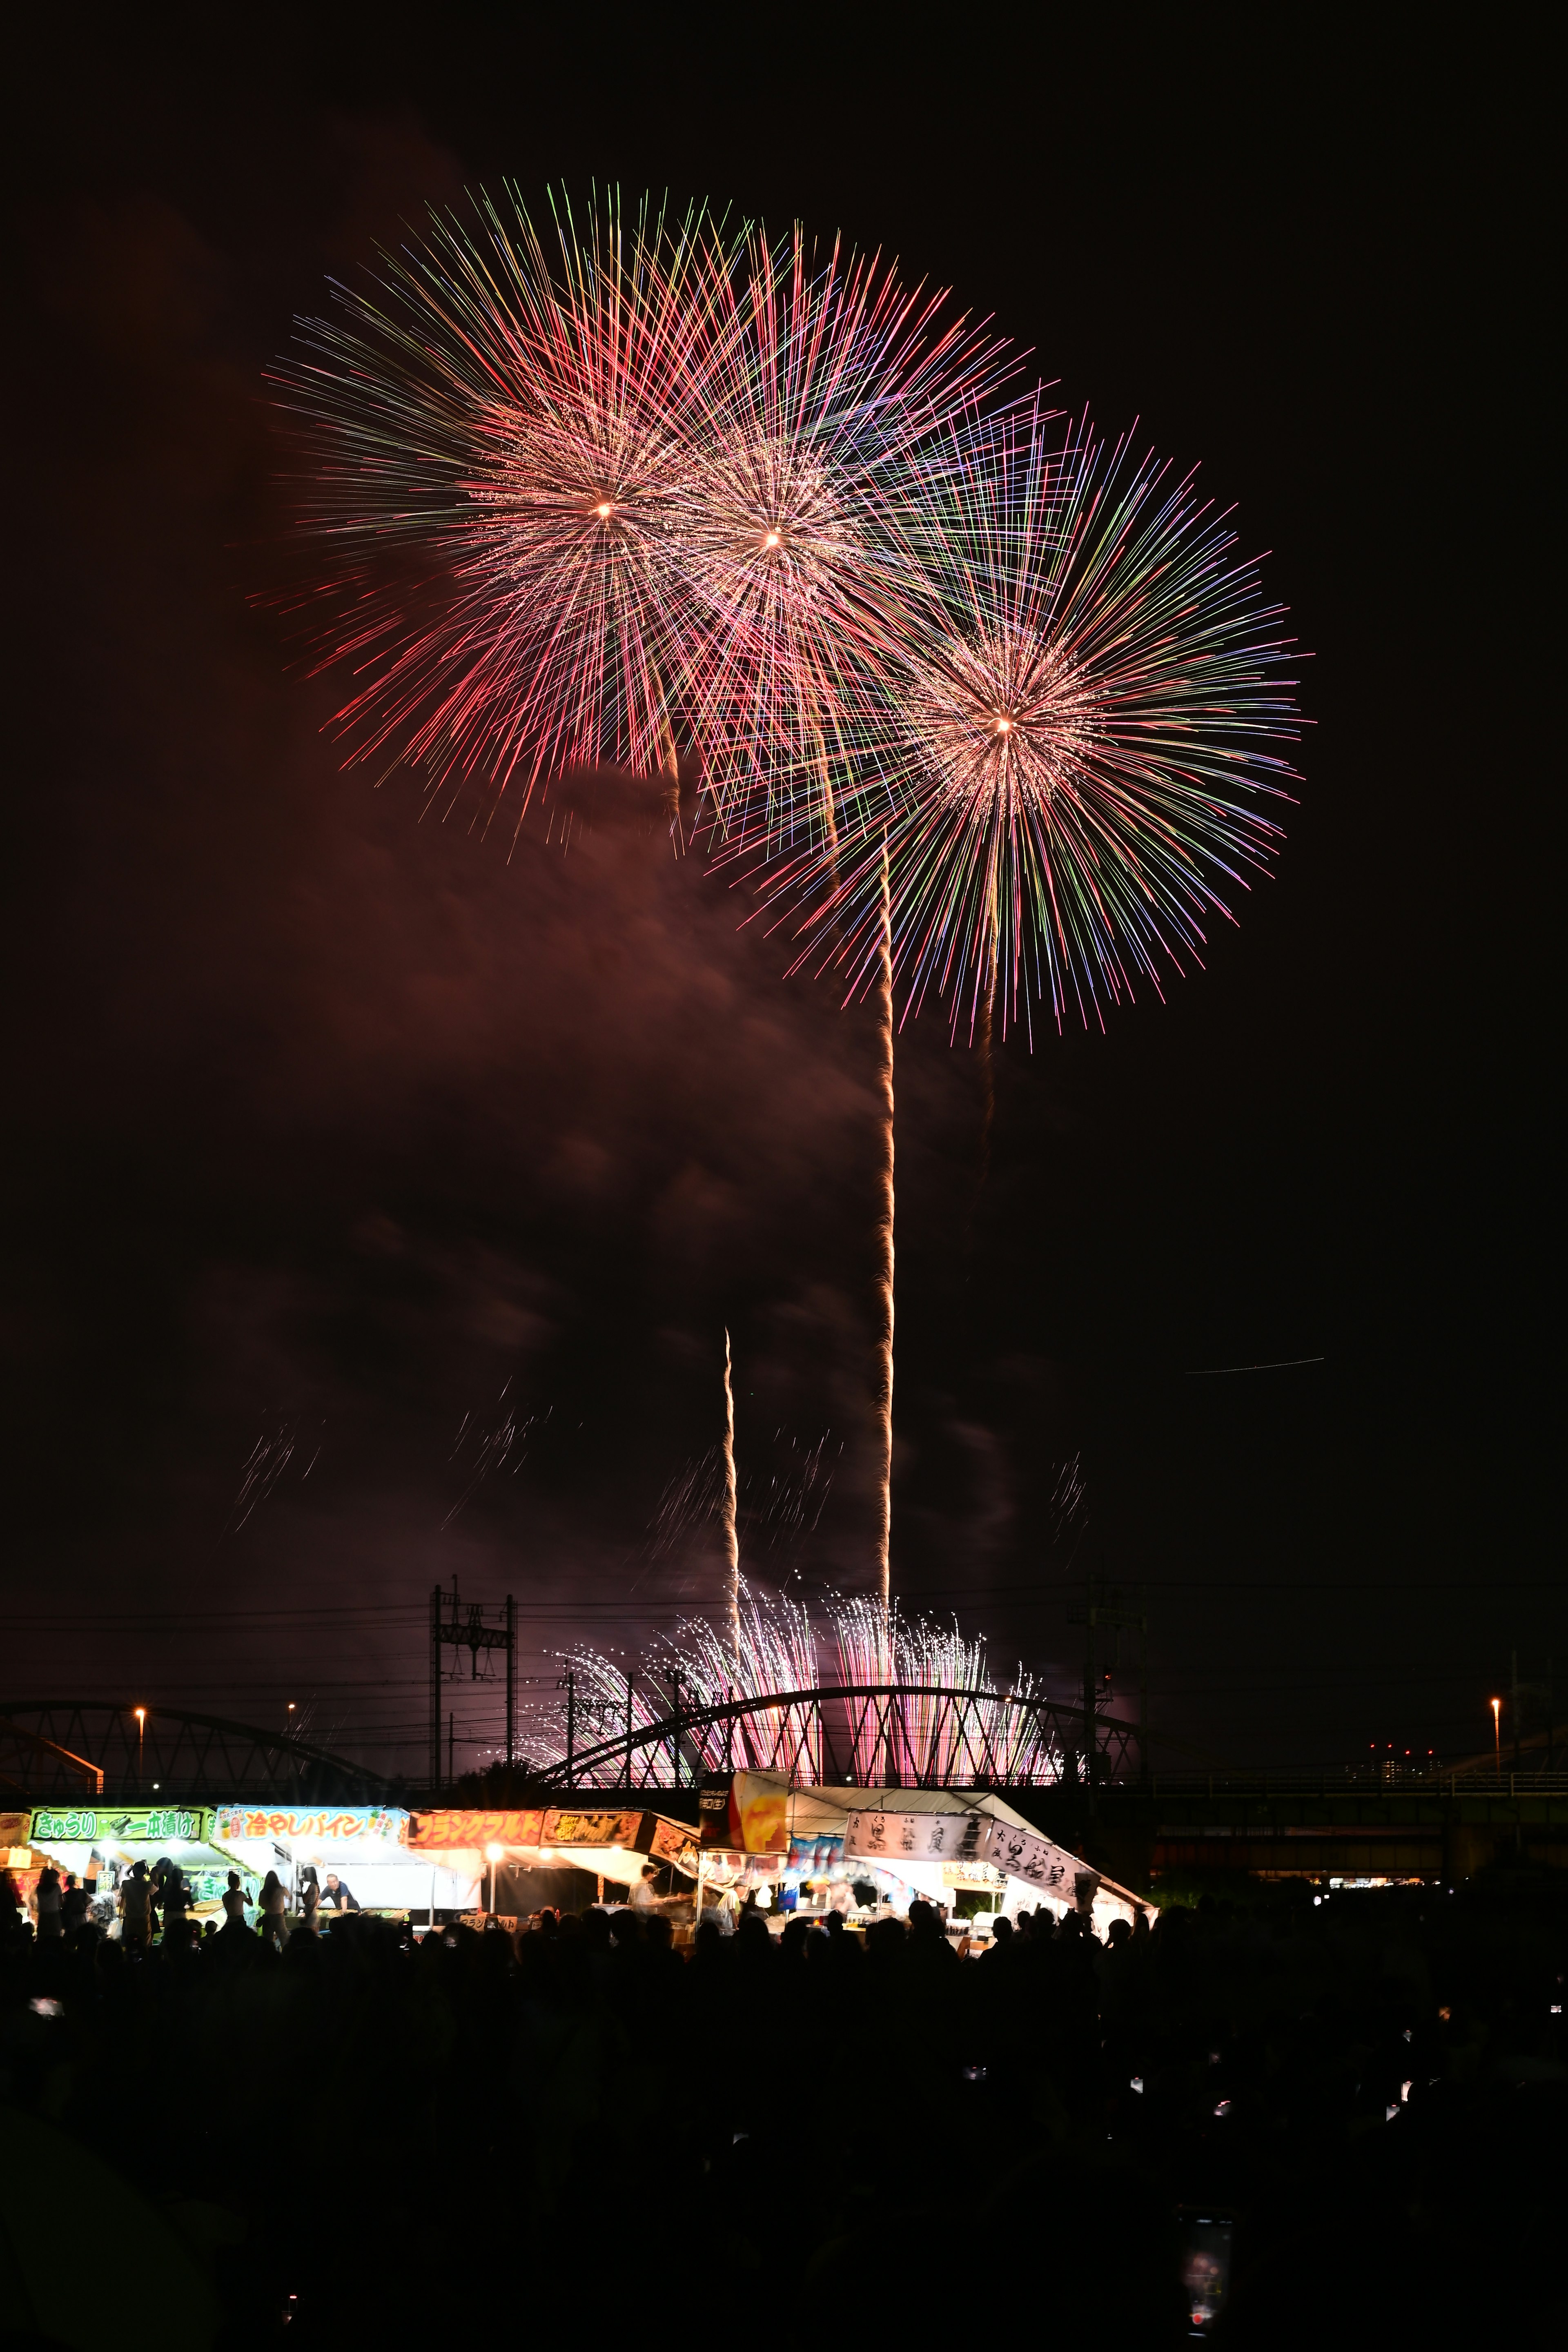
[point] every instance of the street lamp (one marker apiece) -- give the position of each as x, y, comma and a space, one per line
494, 1854
141, 1715
1497, 1734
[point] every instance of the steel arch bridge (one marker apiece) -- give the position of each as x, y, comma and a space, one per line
880, 1735
72, 1748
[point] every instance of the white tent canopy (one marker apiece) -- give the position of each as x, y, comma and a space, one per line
912, 1834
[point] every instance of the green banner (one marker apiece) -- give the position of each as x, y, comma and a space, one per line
122, 1824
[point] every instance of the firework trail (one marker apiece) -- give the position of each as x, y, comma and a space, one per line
885, 1242
780, 1517
731, 1540
1061, 775
493, 1449
264, 1465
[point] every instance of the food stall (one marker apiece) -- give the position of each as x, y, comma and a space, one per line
99, 1844
613, 1845
366, 1848
871, 1853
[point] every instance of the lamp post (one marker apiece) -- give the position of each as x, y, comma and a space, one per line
1497, 1734
493, 1853
141, 1713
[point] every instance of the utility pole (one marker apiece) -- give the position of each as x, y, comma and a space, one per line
474, 1632
629, 1731
511, 1682
1513, 1700
435, 1692
1099, 1612
1144, 1683
568, 1682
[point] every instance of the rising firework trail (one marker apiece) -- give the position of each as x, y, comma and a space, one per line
885, 1294
727, 1518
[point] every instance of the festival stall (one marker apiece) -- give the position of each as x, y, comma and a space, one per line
99, 1844
366, 1849
867, 1853
614, 1845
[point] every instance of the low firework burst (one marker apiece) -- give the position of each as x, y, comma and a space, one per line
778, 1656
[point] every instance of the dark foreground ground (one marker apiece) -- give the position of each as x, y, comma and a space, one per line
367, 2140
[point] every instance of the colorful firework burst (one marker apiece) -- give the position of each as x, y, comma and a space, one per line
499, 442
1063, 771
828, 381
591, 505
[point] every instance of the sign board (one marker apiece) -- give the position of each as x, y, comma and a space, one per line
123, 1824
366, 1825
747, 1813
451, 1826
1035, 1860
879, 1837
567, 1828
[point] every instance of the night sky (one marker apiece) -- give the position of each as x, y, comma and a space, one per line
330, 1128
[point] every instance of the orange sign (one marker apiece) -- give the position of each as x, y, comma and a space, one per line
460, 1826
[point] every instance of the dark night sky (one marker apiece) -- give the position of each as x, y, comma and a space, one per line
322, 1119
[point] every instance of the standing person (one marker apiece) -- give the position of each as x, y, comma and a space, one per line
48, 1902
274, 1904
234, 1903
73, 1905
173, 1900
136, 1907
643, 1898
309, 1899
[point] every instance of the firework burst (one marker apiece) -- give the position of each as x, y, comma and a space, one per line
591, 500
500, 439
1062, 775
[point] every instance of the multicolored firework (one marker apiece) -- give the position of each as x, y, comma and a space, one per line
498, 441
829, 382
591, 506
1063, 769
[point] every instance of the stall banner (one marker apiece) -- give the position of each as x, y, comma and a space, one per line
816, 1857
879, 1836
1033, 1859
14, 1829
668, 1841
126, 1824
748, 1812
592, 1829
327, 1826
450, 1828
